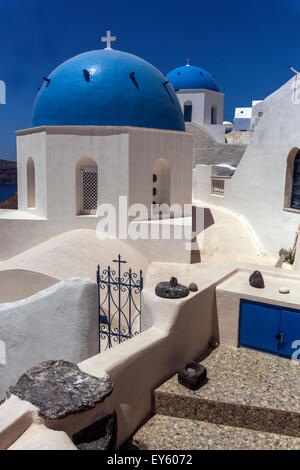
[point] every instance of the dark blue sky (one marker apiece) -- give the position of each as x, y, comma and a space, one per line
248, 46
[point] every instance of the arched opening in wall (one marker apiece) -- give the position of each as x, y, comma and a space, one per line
292, 180
188, 111
161, 182
213, 117
86, 187
30, 184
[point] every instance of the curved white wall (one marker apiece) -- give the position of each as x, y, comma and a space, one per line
17, 284
60, 322
257, 189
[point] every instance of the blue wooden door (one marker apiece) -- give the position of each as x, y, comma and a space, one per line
259, 326
290, 329
269, 328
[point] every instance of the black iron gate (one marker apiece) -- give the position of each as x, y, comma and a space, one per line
119, 304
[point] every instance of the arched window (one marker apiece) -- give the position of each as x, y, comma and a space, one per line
213, 115
86, 187
161, 182
295, 187
30, 184
188, 111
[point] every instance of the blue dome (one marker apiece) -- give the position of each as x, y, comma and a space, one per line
189, 77
107, 88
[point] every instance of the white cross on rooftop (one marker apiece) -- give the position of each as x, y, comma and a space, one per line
108, 39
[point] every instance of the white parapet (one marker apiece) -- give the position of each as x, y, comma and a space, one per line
34, 329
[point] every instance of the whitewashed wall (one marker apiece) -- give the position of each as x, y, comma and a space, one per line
256, 191
257, 113
33, 146
202, 102
173, 331
60, 322
125, 158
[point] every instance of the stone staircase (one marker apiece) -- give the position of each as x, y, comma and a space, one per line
251, 401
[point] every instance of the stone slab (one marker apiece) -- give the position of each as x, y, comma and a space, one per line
59, 389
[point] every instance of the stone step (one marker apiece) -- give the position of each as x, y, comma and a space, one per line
245, 389
170, 433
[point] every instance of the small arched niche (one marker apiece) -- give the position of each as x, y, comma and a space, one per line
161, 182
292, 180
30, 184
188, 111
213, 115
86, 186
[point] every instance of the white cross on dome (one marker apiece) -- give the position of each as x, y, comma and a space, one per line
108, 39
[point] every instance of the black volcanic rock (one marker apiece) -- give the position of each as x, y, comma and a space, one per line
192, 375
166, 291
59, 389
101, 435
256, 280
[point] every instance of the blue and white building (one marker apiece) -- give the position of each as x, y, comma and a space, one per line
200, 98
105, 124
246, 119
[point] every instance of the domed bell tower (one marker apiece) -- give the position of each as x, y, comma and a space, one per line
200, 99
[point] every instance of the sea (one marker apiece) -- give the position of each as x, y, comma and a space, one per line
7, 190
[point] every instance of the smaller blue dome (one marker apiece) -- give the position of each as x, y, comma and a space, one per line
190, 77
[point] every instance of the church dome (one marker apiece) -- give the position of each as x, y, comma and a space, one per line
107, 88
190, 77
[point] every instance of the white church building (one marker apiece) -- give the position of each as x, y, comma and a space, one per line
108, 124
105, 124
